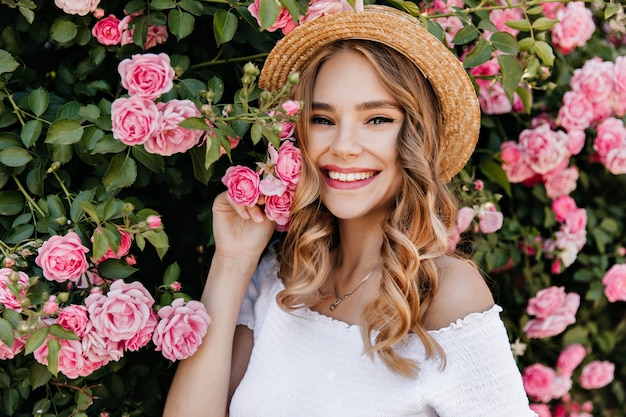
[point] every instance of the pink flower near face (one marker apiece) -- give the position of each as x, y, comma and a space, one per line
8, 352
319, 8
106, 31
464, 218
122, 313
597, 374
126, 240
611, 134
243, 185
181, 329
156, 36
562, 207
561, 183
574, 29
614, 282
489, 219
74, 318
291, 107
135, 120
537, 380
545, 148
284, 21
288, 130
289, 163
79, 7
277, 208
271, 185
147, 75
7, 298
576, 113
542, 410
570, 358
71, 362
62, 258
170, 138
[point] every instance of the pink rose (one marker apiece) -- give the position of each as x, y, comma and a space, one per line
144, 335
616, 161
181, 329
126, 240
489, 218
243, 185
542, 410
7, 297
611, 134
574, 28
288, 130
595, 80
79, 7
106, 31
288, 163
576, 221
63, 258
99, 350
515, 166
551, 9
71, 362
284, 21
291, 107
597, 374
272, 185
561, 182
548, 327
614, 282
135, 120
51, 306
277, 208
74, 318
576, 112
153, 222
8, 352
545, 148
576, 141
156, 36
319, 8
619, 69
561, 386
147, 75
570, 358
122, 313
500, 17
451, 26
562, 207
126, 31
537, 380
493, 99
546, 302
464, 218
170, 138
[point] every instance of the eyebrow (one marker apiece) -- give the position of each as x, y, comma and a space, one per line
368, 105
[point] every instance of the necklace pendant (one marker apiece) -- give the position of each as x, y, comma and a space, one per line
335, 303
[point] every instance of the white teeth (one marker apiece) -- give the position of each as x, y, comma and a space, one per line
350, 177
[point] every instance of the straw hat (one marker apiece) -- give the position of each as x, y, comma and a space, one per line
403, 32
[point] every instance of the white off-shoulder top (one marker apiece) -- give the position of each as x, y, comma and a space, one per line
307, 364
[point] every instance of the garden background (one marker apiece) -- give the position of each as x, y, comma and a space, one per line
121, 194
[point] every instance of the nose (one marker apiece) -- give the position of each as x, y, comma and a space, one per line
345, 144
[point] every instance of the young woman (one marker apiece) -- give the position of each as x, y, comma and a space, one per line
360, 311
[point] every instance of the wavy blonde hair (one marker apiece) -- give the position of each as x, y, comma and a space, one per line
415, 229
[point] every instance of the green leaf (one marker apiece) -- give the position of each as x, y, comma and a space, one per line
224, 26
159, 240
63, 31
200, 172
54, 347
465, 35
11, 203
101, 243
494, 171
77, 211
7, 62
19, 233
64, 132
216, 85
189, 88
511, 74
7, 333
31, 132
39, 375
544, 23
35, 340
611, 10
61, 333
505, 42
479, 55
10, 401
140, 30
213, 148
293, 9
153, 162
195, 123
38, 101
122, 172
115, 269
12, 317
180, 23
172, 273
162, 4
545, 53
527, 98
14, 156
86, 206
269, 10
90, 112
521, 24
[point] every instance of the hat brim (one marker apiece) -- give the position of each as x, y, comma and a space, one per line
404, 33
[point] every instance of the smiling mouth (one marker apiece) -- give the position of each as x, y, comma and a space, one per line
350, 176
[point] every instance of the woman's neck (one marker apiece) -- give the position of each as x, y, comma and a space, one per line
360, 245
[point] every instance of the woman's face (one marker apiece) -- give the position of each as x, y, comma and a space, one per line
352, 141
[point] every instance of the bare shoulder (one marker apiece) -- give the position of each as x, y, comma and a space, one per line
462, 291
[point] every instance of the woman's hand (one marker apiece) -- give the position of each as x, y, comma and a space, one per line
240, 231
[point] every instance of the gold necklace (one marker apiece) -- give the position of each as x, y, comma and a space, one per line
339, 299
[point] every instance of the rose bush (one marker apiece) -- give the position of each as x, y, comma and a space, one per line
123, 119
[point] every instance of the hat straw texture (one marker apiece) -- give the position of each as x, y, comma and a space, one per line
404, 33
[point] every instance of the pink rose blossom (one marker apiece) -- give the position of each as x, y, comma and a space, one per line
107, 32
464, 218
79, 7
288, 130
277, 208
156, 35
63, 258
551, 9
175, 286
126, 240
489, 218
122, 313
7, 297
51, 306
71, 362
542, 410
126, 31
233, 144
493, 99
99, 350
575, 141
243, 185
8, 352
319, 8
291, 107
570, 358
272, 185
153, 221
515, 166
89, 279
546, 302
451, 26
610, 135
550, 326
576, 112
288, 163
616, 161
614, 282
597, 374
479, 185
561, 183
545, 148
147, 75
284, 22
170, 138
98, 13
135, 120
576, 221
537, 380
595, 80
554, 309
144, 335
500, 17
181, 329
562, 207
73, 318
619, 69
574, 29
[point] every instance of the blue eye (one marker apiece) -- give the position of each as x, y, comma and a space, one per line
379, 120
319, 120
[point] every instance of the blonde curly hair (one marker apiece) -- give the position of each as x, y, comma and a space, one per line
415, 229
